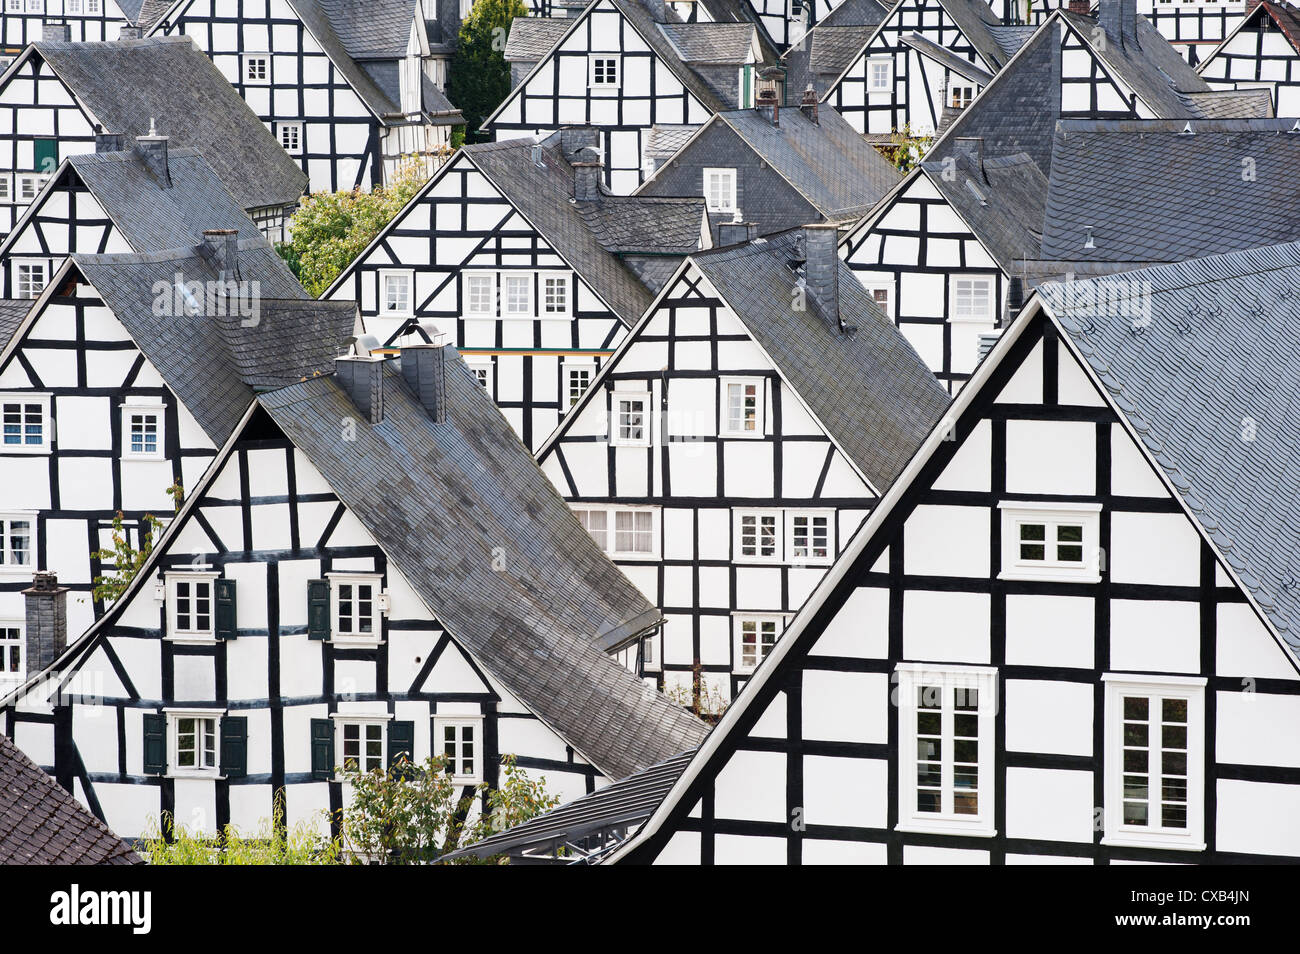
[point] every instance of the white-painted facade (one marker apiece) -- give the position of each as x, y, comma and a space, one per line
1257, 53
24, 21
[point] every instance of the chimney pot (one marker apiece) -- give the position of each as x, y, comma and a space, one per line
809, 105
767, 103
56, 32
362, 377
1080, 7
424, 366
223, 245
822, 269
47, 621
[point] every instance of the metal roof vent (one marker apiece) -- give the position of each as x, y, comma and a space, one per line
975, 191
537, 154
1187, 130
1088, 243
1295, 128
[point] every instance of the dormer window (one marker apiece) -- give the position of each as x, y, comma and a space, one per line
960, 95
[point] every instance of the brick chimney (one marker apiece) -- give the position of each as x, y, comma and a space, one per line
768, 105
425, 370
47, 621
809, 104
153, 150
821, 271
1081, 7
222, 247
56, 32
362, 377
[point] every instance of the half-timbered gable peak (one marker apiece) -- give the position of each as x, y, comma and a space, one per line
41, 824
138, 88
777, 167
1263, 49
1113, 492
22, 23
829, 47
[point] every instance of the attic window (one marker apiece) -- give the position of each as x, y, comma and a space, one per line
257, 69
603, 71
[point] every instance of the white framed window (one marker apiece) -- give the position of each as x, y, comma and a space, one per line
880, 74
360, 743
622, 532
193, 740
555, 295
35, 6
972, 298
1050, 541
25, 425
517, 295
603, 70
742, 407
755, 635
630, 419
30, 278
142, 431
650, 661
13, 651
17, 541
395, 292
357, 605
191, 606
578, 375
484, 372
30, 185
290, 136
72, 6
810, 536
94, 6
758, 535
960, 95
480, 293
256, 69
596, 523
460, 739
14, 6
720, 189
946, 739
6, 188
1155, 761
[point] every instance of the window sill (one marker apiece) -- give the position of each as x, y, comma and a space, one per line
640, 446
143, 457
951, 828
192, 640
741, 435
357, 642
955, 320
1050, 575
1168, 843
19, 451
634, 557
196, 776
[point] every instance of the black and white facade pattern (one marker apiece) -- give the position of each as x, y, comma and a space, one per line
1030, 656
1260, 52
1194, 27
24, 21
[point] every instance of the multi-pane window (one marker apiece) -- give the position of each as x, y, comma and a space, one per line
1154, 760
94, 6
29, 186
972, 299
604, 70
29, 278
759, 536
596, 523
142, 431
880, 74
482, 369
290, 135
6, 182
35, 6
363, 746
396, 299
23, 424
631, 419
755, 637
458, 740
517, 294
12, 644
720, 189
192, 606
257, 69
882, 295
810, 537
17, 540
743, 412
196, 743
1049, 541
946, 774
480, 292
555, 295
960, 95
577, 378
356, 608
634, 531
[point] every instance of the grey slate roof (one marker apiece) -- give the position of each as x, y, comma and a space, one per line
945, 57
830, 47
729, 43
12, 313
371, 29
150, 12
42, 824
870, 388
977, 21
212, 364
531, 38
440, 498
663, 142
645, 224
827, 162
1151, 193
1222, 347
127, 84
627, 802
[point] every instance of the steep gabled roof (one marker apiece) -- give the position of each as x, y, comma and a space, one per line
12, 313
42, 824
827, 162
1225, 185
948, 59
1285, 16
531, 38
977, 22
711, 43
370, 29
868, 388
645, 225
128, 85
441, 499
829, 48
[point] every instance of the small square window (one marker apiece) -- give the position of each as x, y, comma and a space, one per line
395, 293
193, 609
630, 419
257, 70
30, 278
882, 293
604, 71
758, 536
720, 189
1049, 541
578, 376
634, 532
742, 412
517, 294
555, 295
6, 188
483, 372
960, 95
755, 637
880, 74
18, 541
972, 299
30, 185
460, 741
357, 607
290, 136
480, 294
810, 538
25, 425
196, 744
142, 431
596, 523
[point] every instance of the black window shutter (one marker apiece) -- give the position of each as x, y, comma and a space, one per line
155, 743
318, 609
234, 746
401, 742
227, 628
322, 749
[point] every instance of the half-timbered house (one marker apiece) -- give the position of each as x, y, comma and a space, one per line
1065, 636
828, 48
625, 66
778, 168
514, 252
28, 21
735, 442
1263, 50
374, 567
57, 96
125, 377
353, 89
1194, 27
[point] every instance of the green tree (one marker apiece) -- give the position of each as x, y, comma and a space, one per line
330, 229
905, 149
126, 559
479, 77
271, 844
410, 815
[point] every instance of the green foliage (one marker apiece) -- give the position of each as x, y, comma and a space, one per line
125, 558
270, 845
698, 698
410, 815
330, 229
478, 79
905, 150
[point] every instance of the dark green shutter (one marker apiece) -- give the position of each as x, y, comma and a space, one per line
318, 609
322, 749
234, 746
155, 743
227, 628
45, 155
401, 742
